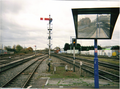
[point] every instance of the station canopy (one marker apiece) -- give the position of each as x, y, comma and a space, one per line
94, 23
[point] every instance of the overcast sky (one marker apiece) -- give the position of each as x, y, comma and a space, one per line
20, 22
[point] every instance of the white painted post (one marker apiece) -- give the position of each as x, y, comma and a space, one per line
80, 67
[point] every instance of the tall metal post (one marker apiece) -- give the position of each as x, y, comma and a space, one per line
35, 50
49, 44
49, 36
70, 45
96, 73
73, 59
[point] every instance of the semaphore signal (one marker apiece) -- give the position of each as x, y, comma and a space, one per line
48, 19
49, 29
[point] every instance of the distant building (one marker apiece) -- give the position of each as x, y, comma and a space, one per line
3, 51
72, 51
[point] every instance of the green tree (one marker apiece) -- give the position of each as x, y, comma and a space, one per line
13, 46
71, 46
66, 47
19, 48
99, 47
8, 48
87, 48
29, 49
46, 50
115, 47
23, 50
78, 46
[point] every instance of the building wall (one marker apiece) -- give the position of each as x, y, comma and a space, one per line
71, 51
3, 51
101, 52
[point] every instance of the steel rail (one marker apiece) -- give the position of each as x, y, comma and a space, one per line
101, 70
92, 72
14, 63
98, 56
5, 84
28, 79
112, 66
68, 60
17, 74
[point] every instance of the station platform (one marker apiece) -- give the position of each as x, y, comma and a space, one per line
78, 83
68, 82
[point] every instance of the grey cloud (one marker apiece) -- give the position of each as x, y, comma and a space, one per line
13, 32
88, 0
10, 6
21, 36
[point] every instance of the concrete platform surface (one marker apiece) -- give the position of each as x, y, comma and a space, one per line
79, 83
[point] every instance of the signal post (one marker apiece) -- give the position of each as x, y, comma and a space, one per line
74, 44
49, 37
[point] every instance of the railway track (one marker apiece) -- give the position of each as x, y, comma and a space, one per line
114, 58
16, 62
103, 74
108, 65
8, 59
21, 78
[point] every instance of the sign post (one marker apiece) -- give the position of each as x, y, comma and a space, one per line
96, 73
95, 23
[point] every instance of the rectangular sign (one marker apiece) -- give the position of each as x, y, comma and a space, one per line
93, 26
95, 23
